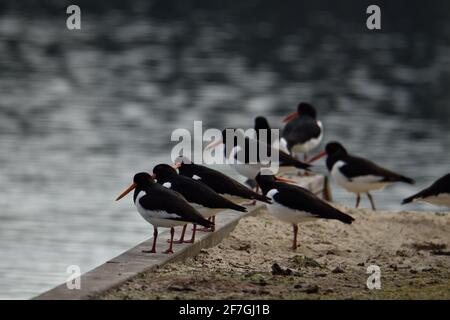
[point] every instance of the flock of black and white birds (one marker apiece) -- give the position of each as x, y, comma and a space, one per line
187, 193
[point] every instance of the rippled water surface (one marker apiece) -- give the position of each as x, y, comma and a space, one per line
81, 112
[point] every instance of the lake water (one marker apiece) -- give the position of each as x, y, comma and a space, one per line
81, 112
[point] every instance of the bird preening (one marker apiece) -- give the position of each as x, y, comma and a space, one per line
187, 193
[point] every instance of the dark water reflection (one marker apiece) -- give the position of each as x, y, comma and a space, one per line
80, 112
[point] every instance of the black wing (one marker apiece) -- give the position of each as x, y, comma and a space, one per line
283, 157
223, 184
198, 192
297, 198
163, 199
301, 131
356, 167
442, 185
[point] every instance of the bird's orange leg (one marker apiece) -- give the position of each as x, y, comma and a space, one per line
194, 229
294, 244
371, 201
181, 240
155, 236
358, 199
172, 232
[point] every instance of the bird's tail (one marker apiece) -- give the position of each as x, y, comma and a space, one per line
262, 198
345, 218
409, 199
237, 207
406, 180
204, 222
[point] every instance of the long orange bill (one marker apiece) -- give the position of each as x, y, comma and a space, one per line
214, 144
291, 117
129, 189
317, 157
285, 180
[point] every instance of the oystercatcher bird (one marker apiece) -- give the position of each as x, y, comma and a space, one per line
162, 207
240, 159
438, 193
302, 132
203, 198
358, 175
219, 182
294, 204
261, 123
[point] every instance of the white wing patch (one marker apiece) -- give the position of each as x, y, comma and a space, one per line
196, 177
167, 185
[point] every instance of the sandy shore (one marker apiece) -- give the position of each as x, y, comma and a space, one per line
411, 249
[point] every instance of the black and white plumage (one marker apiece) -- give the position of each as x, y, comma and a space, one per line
240, 159
261, 123
162, 207
294, 204
218, 181
203, 198
302, 132
438, 193
358, 175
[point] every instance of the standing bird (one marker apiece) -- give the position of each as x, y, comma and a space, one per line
219, 182
438, 193
240, 159
262, 123
294, 204
161, 207
302, 132
358, 175
203, 198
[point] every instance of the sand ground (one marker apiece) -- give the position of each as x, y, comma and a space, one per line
256, 262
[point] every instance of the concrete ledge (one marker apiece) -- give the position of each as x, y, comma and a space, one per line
133, 262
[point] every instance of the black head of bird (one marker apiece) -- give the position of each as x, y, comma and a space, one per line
141, 180
163, 172
185, 168
333, 149
267, 181
261, 123
303, 109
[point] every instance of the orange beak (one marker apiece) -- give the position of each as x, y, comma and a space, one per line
317, 157
129, 189
291, 117
285, 180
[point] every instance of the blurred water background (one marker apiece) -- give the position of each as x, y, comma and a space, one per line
82, 111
